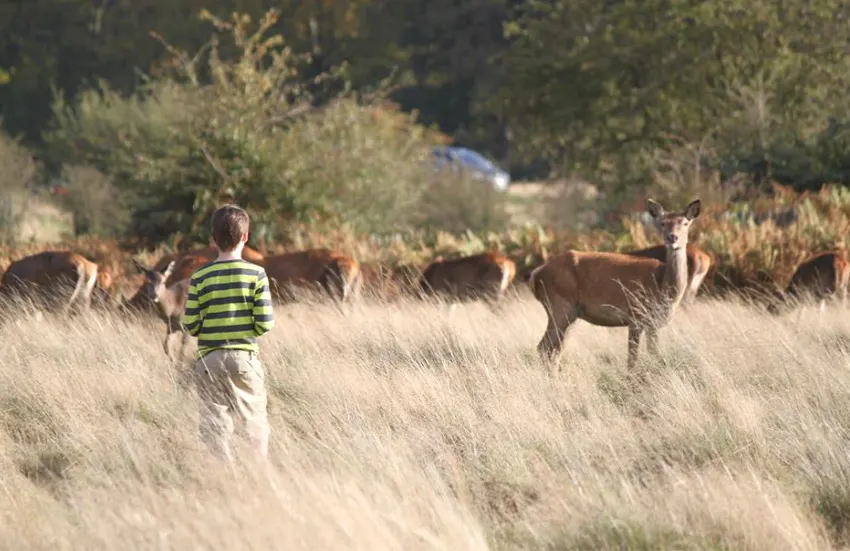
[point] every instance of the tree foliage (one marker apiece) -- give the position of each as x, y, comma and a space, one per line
18, 175
436, 50
212, 131
620, 92
598, 86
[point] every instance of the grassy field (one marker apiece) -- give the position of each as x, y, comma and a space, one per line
397, 427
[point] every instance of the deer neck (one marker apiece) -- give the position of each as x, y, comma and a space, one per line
675, 281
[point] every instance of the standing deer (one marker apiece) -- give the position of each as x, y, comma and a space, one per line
616, 289
482, 276
183, 265
335, 273
699, 263
49, 273
169, 301
823, 275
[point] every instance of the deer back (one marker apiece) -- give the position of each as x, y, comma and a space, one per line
45, 268
477, 272
597, 280
820, 274
298, 266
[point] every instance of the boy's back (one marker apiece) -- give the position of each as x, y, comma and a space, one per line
229, 306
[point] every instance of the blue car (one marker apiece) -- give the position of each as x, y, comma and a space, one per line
473, 163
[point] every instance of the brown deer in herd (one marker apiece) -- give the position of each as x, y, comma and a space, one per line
822, 276
478, 277
337, 274
51, 275
169, 301
699, 263
616, 289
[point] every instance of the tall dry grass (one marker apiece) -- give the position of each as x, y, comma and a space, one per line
398, 427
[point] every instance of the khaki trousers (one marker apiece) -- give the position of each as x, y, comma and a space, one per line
232, 382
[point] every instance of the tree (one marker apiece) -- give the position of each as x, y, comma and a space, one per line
249, 131
598, 86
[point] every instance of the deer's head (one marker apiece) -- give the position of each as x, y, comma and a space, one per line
673, 226
154, 286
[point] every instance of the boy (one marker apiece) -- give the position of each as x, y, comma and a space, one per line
228, 307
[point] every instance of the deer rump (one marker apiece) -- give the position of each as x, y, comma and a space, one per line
465, 279
822, 275
323, 271
56, 279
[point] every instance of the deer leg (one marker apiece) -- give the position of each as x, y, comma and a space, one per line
635, 334
79, 287
184, 341
452, 309
335, 289
172, 325
652, 342
550, 346
495, 302
86, 303
165, 344
689, 298
350, 296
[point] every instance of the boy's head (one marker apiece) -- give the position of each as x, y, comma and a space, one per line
230, 226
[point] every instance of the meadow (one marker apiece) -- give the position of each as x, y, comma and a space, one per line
399, 427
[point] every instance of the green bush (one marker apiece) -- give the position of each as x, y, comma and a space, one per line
250, 133
18, 172
354, 165
456, 203
97, 205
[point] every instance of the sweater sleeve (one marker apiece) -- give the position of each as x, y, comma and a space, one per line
192, 313
263, 316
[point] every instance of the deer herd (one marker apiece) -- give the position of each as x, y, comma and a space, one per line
639, 290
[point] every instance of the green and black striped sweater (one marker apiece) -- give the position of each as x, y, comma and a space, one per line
229, 306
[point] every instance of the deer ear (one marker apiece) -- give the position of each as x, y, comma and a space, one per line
693, 210
139, 265
168, 270
654, 208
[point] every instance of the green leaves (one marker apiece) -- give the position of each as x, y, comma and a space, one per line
593, 85
251, 134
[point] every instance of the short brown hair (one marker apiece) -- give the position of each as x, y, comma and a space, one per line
228, 224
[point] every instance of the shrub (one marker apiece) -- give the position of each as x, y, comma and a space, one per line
356, 166
252, 134
456, 203
97, 205
18, 173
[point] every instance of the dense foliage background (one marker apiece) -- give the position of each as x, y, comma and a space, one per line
139, 118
